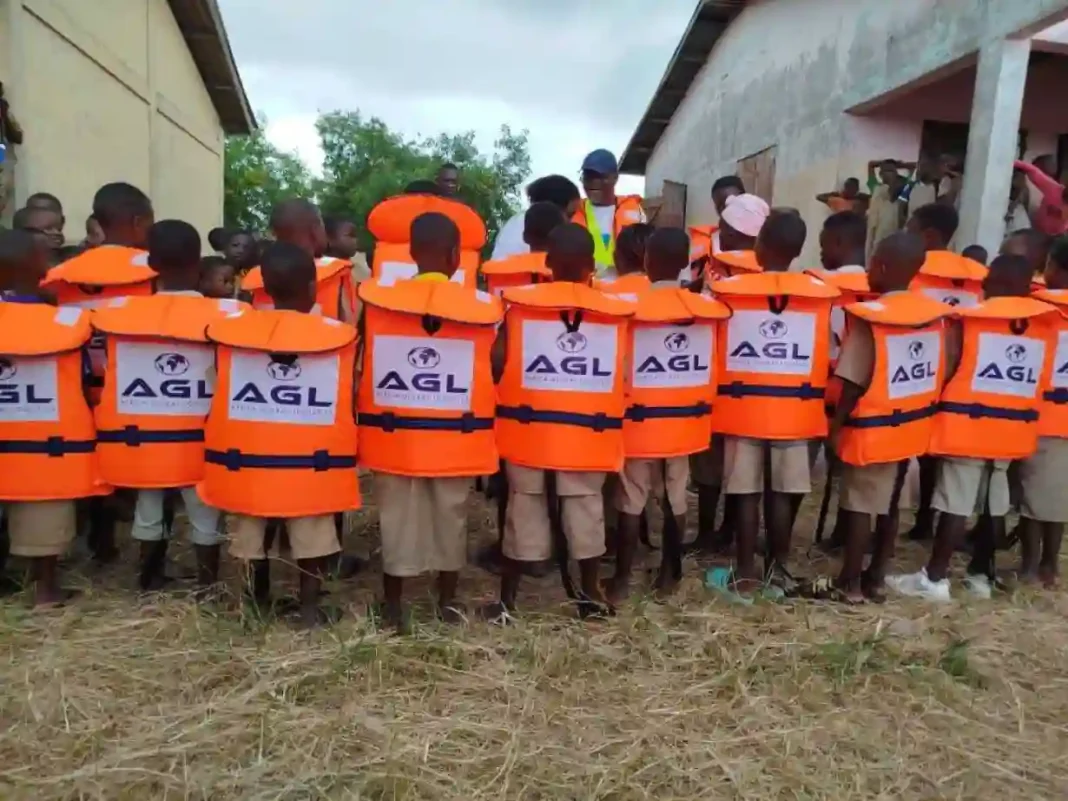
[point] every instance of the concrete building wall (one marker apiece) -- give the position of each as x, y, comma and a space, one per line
786, 71
107, 91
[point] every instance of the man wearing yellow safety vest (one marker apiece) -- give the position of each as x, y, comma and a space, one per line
602, 213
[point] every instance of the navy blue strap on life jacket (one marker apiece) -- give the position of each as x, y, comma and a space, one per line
978, 411
319, 461
895, 418
1058, 396
525, 414
135, 436
639, 414
389, 422
52, 446
740, 389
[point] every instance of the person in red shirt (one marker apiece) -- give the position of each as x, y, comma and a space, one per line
1050, 218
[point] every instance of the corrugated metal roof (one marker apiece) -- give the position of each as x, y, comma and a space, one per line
710, 19
205, 36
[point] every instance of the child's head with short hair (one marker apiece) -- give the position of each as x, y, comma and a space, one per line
975, 253
289, 276
298, 222
842, 240
341, 239
630, 248
1056, 272
435, 244
895, 262
23, 262
936, 223
1009, 276
43, 222
541, 219
1030, 243
570, 254
667, 254
174, 253
124, 214
780, 240
218, 278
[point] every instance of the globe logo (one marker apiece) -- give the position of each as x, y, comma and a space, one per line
773, 329
172, 364
280, 371
916, 350
571, 342
424, 358
951, 300
1016, 353
7, 369
677, 342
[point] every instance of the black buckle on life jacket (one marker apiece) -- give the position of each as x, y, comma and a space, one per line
431, 324
54, 447
131, 436
321, 461
571, 324
1019, 327
777, 303
523, 414
467, 423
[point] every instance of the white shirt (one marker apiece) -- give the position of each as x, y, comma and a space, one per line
509, 240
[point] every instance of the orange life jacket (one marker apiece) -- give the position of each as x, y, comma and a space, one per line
701, 241
560, 400
95, 278
333, 280
951, 279
426, 401
519, 270
892, 420
47, 440
1053, 414
989, 408
390, 223
628, 212
854, 288
157, 389
627, 286
280, 440
772, 356
731, 262
672, 381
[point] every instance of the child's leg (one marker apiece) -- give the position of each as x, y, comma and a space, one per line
527, 537
791, 481
313, 541
204, 522
1030, 532
675, 480
635, 484
957, 492
445, 501
707, 471
1048, 570
149, 530
248, 544
41, 532
923, 528
582, 515
993, 494
743, 484
404, 527
102, 517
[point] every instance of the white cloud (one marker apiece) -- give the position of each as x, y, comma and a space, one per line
577, 76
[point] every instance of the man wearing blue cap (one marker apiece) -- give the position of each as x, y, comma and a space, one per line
602, 213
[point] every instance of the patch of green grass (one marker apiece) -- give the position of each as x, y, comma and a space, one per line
954, 662
843, 660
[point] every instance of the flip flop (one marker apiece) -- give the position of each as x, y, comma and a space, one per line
721, 581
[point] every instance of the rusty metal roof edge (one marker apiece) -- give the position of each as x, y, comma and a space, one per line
633, 159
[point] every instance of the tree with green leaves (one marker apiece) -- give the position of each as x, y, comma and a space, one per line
365, 162
257, 175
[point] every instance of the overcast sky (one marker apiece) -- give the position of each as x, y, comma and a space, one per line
576, 73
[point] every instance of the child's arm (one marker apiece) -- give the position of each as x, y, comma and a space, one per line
1052, 190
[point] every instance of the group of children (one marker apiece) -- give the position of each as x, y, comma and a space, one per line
134, 366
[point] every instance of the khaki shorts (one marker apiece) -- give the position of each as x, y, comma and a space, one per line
423, 522
707, 466
643, 479
527, 537
309, 538
1045, 496
40, 528
743, 467
966, 485
868, 489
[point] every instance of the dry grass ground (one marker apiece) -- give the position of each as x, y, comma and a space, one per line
125, 698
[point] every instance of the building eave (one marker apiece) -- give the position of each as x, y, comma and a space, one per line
202, 27
710, 19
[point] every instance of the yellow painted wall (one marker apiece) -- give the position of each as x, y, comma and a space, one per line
107, 91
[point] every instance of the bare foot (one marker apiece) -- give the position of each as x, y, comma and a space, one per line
618, 591
1049, 578
872, 588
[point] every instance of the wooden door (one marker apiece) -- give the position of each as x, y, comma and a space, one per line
758, 173
672, 211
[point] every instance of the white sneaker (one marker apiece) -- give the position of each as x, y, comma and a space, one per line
917, 585
978, 586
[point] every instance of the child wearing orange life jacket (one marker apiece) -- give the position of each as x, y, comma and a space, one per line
955, 281
558, 360
1044, 504
704, 239
670, 387
47, 439
988, 416
297, 222
157, 393
218, 278
772, 360
426, 411
890, 369
280, 440
629, 277
526, 268
118, 267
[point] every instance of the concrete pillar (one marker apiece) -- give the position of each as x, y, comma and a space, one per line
992, 142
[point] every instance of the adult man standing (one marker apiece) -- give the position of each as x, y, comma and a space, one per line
889, 200
448, 180
603, 213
